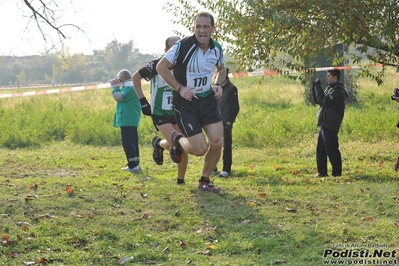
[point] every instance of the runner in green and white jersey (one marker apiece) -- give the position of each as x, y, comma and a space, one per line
160, 109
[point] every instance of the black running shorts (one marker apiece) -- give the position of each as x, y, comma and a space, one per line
192, 116
160, 120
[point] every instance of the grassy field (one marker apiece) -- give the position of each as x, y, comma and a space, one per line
66, 202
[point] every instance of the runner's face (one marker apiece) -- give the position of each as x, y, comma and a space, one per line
203, 29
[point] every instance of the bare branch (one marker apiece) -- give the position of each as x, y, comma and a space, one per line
36, 14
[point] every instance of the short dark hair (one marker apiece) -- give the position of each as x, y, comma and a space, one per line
335, 72
205, 14
168, 39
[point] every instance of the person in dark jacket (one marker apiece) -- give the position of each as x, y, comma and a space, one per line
395, 97
229, 107
329, 119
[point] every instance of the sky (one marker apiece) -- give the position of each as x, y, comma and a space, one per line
144, 22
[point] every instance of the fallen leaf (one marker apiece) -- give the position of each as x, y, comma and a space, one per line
12, 200
33, 186
368, 218
183, 244
291, 210
262, 195
69, 189
41, 260
207, 252
15, 254
279, 261
252, 203
123, 261
50, 216
396, 224
23, 224
212, 239
9, 242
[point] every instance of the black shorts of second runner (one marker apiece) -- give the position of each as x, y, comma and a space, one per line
191, 116
160, 120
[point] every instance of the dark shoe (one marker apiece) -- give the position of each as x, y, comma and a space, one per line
396, 166
181, 181
175, 151
215, 171
208, 187
157, 151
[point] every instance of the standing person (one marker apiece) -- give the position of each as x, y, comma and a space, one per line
127, 117
160, 109
395, 97
229, 107
193, 61
329, 119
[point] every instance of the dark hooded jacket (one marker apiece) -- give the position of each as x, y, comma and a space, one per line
228, 104
332, 105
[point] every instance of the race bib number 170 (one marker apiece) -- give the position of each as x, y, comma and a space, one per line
199, 82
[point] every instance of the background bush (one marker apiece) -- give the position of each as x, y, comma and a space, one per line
273, 113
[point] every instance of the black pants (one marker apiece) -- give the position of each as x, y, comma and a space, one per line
227, 146
130, 143
327, 146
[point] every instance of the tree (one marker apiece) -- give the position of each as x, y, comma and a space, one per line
47, 14
256, 31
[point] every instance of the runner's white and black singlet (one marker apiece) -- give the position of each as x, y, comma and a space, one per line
192, 67
161, 93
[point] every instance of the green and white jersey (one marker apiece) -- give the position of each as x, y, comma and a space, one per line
192, 67
128, 108
161, 93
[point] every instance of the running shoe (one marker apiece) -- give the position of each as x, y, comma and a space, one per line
175, 151
215, 171
208, 187
181, 181
157, 151
224, 174
135, 169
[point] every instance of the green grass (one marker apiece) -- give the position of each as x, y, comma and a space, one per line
272, 211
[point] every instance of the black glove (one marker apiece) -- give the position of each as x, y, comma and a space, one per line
145, 106
316, 83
